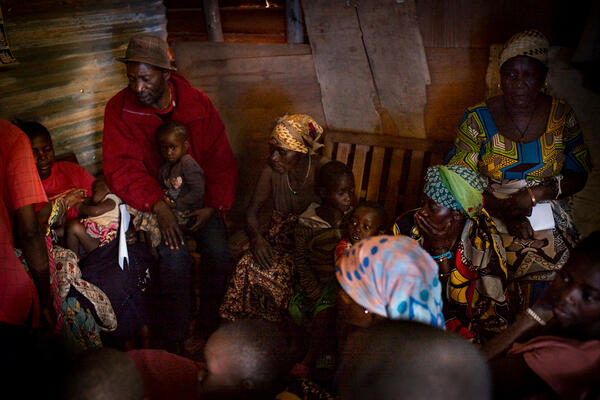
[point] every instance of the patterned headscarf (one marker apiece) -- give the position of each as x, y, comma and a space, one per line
456, 187
531, 43
394, 277
297, 132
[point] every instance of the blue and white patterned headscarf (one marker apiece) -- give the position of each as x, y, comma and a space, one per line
392, 276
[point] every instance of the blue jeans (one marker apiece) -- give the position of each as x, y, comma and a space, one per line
174, 281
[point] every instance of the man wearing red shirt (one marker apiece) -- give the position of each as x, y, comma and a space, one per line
156, 94
23, 297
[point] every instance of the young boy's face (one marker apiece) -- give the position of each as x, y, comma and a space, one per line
172, 148
575, 293
365, 222
341, 194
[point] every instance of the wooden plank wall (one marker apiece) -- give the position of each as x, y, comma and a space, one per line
371, 65
251, 85
67, 69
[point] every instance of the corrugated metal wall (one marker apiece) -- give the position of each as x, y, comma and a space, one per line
67, 69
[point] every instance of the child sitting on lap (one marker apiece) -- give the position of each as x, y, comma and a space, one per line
100, 226
180, 177
368, 219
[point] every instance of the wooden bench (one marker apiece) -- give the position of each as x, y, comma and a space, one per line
387, 169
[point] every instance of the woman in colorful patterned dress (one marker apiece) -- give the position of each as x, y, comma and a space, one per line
459, 234
530, 147
261, 284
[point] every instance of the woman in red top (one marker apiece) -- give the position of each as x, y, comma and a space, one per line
58, 177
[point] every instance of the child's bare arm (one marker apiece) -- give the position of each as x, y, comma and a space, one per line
94, 210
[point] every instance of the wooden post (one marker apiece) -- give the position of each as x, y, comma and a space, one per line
213, 20
293, 19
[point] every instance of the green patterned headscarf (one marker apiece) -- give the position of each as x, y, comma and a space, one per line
456, 187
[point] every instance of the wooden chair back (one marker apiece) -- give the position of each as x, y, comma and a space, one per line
389, 170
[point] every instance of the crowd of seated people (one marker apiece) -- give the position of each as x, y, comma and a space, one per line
464, 297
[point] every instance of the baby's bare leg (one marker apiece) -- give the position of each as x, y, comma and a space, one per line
76, 236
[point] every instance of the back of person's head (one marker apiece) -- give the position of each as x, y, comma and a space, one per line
33, 129
103, 374
331, 173
245, 359
172, 127
406, 359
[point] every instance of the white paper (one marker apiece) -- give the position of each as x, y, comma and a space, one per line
123, 254
541, 217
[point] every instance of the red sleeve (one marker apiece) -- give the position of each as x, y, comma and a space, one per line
24, 186
568, 366
217, 161
123, 165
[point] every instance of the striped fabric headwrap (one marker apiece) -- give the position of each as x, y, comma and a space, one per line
456, 187
297, 132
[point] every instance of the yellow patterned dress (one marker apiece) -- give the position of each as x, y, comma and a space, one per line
511, 166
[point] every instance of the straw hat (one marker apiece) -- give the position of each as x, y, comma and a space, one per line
148, 49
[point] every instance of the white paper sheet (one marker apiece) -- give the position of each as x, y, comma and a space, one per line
541, 217
123, 254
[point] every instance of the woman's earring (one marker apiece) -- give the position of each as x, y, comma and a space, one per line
366, 311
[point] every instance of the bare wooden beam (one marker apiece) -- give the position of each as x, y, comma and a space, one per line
213, 20
293, 19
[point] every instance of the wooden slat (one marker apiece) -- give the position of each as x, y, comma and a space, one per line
391, 196
390, 141
375, 173
414, 182
206, 51
343, 152
328, 151
358, 167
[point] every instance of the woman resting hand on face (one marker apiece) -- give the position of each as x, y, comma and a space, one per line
530, 148
261, 284
459, 234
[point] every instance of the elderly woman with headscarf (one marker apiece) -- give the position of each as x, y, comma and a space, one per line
387, 277
530, 148
459, 234
261, 284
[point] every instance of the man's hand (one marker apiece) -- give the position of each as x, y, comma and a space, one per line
47, 321
169, 227
202, 216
